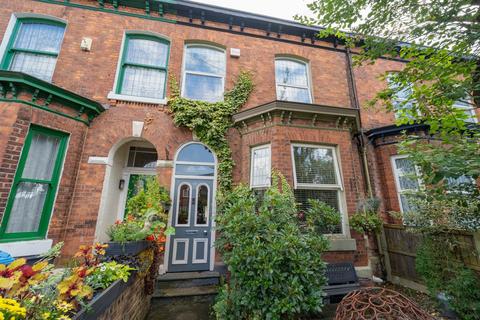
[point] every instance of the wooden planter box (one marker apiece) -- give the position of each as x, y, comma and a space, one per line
130, 248
103, 300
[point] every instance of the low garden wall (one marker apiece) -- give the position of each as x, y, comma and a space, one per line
120, 301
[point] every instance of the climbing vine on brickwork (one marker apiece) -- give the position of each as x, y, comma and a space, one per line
210, 121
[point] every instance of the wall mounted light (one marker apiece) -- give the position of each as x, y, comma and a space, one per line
121, 184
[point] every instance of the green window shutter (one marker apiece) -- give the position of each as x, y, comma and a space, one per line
34, 46
35, 185
143, 69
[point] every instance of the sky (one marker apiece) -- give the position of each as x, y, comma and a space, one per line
284, 9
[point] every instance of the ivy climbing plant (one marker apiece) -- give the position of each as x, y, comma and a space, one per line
210, 121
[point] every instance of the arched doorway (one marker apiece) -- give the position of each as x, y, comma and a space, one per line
193, 194
130, 162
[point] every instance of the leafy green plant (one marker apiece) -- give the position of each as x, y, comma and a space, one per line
211, 121
321, 217
365, 222
153, 196
442, 271
276, 268
129, 230
148, 227
107, 273
366, 219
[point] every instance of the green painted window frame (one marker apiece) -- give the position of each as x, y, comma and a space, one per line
10, 51
124, 64
52, 186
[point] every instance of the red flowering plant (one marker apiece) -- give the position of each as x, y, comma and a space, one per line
148, 227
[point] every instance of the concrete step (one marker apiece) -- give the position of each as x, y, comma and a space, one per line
186, 292
184, 296
182, 308
188, 275
188, 280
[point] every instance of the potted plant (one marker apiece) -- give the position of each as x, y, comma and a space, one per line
132, 236
145, 220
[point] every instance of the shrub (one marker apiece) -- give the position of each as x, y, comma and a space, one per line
152, 197
276, 269
441, 271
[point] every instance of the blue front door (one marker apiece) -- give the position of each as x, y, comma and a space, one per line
192, 219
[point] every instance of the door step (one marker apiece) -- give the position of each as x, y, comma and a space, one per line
186, 280
184, 296
186, 292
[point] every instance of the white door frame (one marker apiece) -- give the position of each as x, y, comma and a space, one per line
214, 204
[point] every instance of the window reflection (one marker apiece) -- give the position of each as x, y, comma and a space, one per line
196, 152
202, 205
183, 204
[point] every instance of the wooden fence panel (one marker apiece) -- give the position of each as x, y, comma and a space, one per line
402, 248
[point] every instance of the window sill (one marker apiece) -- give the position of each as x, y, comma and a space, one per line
123, 97
26, 248
341, 244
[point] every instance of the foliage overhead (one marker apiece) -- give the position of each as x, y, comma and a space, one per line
210, 121
276, 267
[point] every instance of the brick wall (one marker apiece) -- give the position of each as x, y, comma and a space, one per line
133, 303
14, 129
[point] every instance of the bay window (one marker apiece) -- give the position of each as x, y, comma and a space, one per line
317, 176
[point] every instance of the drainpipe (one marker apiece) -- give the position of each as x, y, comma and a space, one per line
384, 259
356, 105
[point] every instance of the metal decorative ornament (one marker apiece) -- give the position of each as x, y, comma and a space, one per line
379, 303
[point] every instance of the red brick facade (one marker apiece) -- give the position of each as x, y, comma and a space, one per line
92, 75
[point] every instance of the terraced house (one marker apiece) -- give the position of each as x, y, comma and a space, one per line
84, 86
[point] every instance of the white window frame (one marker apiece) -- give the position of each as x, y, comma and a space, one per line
336, 162
470, 112
184, 64
397, 179
336, 187
252, 151
309, 80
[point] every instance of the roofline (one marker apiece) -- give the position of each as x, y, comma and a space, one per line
392, 130
245, 14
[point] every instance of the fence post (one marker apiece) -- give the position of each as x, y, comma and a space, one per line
383, 248
476, 240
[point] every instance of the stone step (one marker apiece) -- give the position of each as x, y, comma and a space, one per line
188, 275
182, 308
185, 292
187, 280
